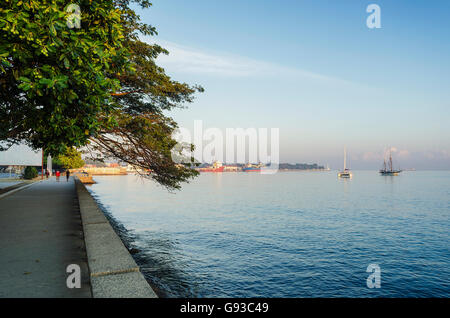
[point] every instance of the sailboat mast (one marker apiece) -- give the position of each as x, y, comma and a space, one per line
390, 161
345, 158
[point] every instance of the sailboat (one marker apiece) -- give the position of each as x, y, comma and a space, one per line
346, 173
389, 171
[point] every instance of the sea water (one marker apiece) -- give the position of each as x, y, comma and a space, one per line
291, 234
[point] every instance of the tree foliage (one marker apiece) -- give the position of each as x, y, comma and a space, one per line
30, 173
71, 159
54, 80
97, 86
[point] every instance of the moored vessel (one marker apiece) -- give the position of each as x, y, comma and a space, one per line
252, 168
389, 170
216, 167
346, 173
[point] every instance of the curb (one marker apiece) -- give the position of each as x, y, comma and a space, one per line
113, 271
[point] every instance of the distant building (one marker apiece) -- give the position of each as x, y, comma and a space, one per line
20, 155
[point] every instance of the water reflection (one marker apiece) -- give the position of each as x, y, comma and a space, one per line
156, 254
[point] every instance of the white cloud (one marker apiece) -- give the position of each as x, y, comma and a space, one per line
380, 155
190, 60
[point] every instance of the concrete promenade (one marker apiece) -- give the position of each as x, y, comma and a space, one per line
41, 234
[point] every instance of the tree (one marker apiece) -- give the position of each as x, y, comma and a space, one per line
54, 80
30, 173
142, 134
97, 86
71, 159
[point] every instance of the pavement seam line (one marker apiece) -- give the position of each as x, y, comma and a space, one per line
122, 271
102, 222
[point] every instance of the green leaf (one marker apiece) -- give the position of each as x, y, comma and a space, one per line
52, 30
45, 81
24, 86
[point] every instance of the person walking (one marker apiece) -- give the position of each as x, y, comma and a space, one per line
47, 174
58, 174
67, 175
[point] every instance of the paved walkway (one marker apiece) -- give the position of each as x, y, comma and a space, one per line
40, 235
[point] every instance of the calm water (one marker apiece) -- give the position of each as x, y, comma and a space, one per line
293, 234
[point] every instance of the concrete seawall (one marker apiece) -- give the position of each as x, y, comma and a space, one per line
113, 271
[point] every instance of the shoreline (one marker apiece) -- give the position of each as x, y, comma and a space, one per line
113, 271
128, 238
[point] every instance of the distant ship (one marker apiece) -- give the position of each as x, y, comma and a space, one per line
389, 171
216, 167
346, 173
252, 168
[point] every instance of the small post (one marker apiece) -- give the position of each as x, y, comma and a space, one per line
42, 167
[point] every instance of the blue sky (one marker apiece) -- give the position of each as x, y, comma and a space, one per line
314, 70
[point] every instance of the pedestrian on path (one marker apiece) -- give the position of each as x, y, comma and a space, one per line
67, 175
58, 174
47, 174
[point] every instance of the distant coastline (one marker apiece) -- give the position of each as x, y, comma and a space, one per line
300, 166
116, 169
282, 166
